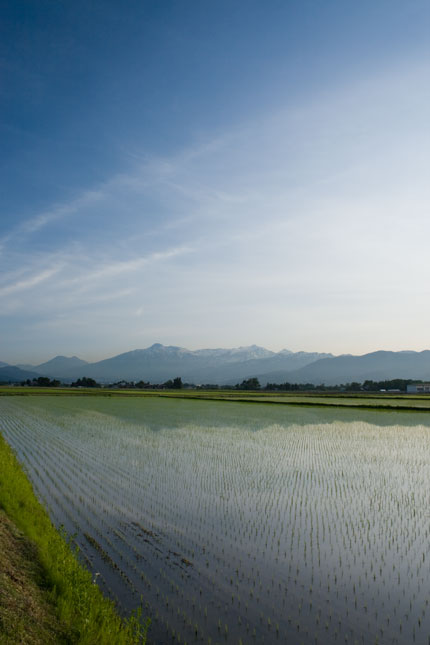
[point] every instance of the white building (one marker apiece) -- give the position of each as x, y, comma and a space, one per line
418, 388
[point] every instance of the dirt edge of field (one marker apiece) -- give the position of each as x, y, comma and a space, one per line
27, 614
41, 579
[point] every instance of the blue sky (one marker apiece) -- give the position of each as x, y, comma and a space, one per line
214, 174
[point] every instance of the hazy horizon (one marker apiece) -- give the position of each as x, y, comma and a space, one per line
214, 175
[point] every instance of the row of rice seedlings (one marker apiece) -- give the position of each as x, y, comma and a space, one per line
61, 480
228, 508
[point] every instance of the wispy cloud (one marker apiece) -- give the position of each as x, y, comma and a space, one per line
129, 266
285, 228
55, 214
60, 211
30, 282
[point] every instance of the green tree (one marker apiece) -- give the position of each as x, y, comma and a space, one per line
249, 384
85, 382
177, 383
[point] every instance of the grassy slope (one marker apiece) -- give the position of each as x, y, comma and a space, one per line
44, 566
361, 400
27, 614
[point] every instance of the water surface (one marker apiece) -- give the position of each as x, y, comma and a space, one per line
238, 522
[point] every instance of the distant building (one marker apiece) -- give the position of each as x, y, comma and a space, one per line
418, 388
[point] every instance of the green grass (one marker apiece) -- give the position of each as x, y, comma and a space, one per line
85, 615
364, 400
27, 613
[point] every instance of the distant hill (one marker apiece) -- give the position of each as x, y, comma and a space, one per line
12, 374
220, 366
3, 364
376, 366
159, 363
281, 364
60, 366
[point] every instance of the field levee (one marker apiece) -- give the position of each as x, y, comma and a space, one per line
364, 400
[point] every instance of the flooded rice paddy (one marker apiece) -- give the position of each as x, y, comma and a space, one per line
240, 523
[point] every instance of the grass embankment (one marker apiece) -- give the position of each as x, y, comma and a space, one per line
27, 614
46, 596
365, 400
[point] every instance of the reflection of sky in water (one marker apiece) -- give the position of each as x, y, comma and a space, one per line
313, 519
156, 413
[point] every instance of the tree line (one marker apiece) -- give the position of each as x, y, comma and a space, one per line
250, 384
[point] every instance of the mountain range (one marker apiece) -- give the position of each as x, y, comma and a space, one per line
159, 363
